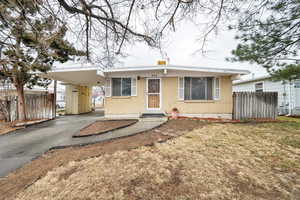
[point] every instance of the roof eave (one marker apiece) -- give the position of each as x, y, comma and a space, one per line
226, 71
252, 80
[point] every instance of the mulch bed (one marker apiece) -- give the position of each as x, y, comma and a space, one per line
31, 172
100, 127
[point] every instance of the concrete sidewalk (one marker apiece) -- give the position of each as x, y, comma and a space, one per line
22, 146
141, 126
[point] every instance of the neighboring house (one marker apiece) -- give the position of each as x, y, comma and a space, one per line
60, 99
8, 89
134, 91
13, 92
98, 97
288, 92
60, 94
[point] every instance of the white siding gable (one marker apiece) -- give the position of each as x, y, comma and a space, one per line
286, 93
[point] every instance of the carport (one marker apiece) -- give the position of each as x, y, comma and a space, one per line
79, 80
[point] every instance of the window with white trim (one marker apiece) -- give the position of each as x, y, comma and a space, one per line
297, 84
259, 87
121, 86
198, 88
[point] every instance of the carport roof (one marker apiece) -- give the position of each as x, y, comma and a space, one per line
87, 75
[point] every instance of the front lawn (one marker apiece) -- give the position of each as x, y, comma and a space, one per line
200, 161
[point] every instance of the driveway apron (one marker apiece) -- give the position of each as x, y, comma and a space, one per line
23, 145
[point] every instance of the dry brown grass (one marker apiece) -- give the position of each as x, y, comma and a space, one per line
29, 173
218, 161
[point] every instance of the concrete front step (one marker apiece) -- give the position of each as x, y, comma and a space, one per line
152, 115
153, 119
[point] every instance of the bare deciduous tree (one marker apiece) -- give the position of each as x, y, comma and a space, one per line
111, 25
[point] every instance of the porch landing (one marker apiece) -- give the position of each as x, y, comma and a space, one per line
153, 115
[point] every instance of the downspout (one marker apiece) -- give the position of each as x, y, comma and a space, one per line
284, 98
290, 98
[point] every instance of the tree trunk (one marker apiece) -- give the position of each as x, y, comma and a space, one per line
21, 102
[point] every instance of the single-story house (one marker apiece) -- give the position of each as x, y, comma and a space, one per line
288, 92
157, 89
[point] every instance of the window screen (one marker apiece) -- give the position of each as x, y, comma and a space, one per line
196, 88
126, 86
116, 87
121, 86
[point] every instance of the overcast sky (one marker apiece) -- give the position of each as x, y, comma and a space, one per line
181, 49
182, 45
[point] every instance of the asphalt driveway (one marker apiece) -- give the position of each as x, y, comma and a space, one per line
22, 146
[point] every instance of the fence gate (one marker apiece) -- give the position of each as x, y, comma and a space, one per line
255, 105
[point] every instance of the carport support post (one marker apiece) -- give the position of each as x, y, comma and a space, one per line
54, 99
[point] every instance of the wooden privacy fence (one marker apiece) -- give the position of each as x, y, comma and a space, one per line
255, 105
38, 106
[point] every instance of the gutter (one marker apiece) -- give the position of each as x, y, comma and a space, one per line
212, 70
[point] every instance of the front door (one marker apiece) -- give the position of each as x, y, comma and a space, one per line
153, 93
